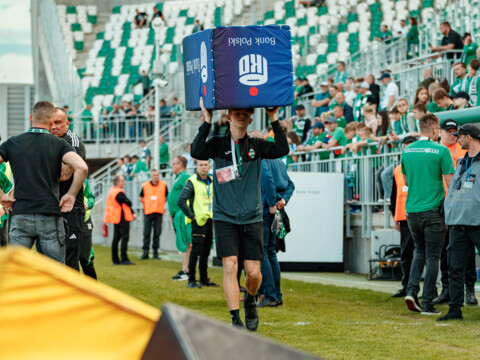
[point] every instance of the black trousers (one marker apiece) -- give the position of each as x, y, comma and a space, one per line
4, 234
470, 270
121, 232
73, 238
152, 220
86, 253
202, 237
406, 252
461, 240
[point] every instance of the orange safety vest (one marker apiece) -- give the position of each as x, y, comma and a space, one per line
457, 153
402, 191
154, 197
113, 210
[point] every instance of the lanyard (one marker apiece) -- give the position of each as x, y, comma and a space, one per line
209, 185
38, 130
469, 171
235, 149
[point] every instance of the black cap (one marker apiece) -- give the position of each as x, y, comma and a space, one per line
384, 75
462, 94
318, 125
408, 139
469, 129
449, 124
300, 107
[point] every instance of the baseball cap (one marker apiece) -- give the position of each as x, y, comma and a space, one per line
324, 83
384, 76
330, 119
300, 107
462, 94
365, 85
469, 129
318, 125
408, 140
449, 124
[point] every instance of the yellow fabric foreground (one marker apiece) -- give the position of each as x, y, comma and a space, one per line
49, 311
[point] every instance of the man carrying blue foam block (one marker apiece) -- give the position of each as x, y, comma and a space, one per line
237, 206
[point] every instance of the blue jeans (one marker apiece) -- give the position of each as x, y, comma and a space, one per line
387, 180
428, 232
48, 230
269, 266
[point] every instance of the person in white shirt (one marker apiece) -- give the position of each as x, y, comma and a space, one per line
390, 93
403, 29
350, 93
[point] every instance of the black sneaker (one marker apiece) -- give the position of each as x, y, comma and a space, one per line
144, 256
400, 293
453, 314
127, 262
208, 284
412, 303
181, 276
266, 303
155, 255
470, 298
443, 298
251, 316
430, 310
238, 323
242, 289
193, 285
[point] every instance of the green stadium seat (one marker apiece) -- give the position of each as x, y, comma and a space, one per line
342, 27
352, 17
116, 10
312, 30
100, 35
321, 59
280, 22
71, 10
79, 45
190, 21
76, 27
269, 15
159, 6
92, 19
302, 21
322, 10
183, 13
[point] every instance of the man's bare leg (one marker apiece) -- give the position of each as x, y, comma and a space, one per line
186, 258
230, 283
253, 279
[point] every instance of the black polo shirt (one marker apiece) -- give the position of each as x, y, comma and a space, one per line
453, 38
36, 161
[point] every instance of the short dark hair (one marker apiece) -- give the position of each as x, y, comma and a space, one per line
182, 160
461, 64
420, 106
334, 86
43, 111
117, 179
427, 121
446, 23
475, 64
341, 63
439, 94
394, 110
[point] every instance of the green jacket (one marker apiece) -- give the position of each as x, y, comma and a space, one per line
89, 198
412, 35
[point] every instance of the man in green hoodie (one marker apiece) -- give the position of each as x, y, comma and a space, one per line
182, 231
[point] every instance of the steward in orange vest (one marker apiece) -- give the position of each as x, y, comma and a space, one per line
153, 196
118, 211
397, 207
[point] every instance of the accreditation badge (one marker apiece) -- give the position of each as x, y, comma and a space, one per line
226, 174
468, 184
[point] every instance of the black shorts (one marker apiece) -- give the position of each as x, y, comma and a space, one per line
242, 240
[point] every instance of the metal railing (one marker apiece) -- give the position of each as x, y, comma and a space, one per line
363, 184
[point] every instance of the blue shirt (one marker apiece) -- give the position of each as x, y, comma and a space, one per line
320, 110
276, 183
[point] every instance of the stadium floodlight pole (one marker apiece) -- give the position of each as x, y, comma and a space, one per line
158, 25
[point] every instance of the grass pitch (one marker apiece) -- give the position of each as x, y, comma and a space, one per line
328, 321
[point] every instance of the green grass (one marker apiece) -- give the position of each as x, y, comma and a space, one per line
328, 321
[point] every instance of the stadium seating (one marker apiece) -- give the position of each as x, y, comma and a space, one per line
120, 53
76, 21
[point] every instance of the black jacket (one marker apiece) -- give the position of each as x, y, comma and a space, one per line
239, 201
188, 193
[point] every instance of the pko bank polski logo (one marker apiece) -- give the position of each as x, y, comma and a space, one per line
203, 66
253, 71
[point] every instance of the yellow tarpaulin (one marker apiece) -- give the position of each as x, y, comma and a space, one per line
49, 311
